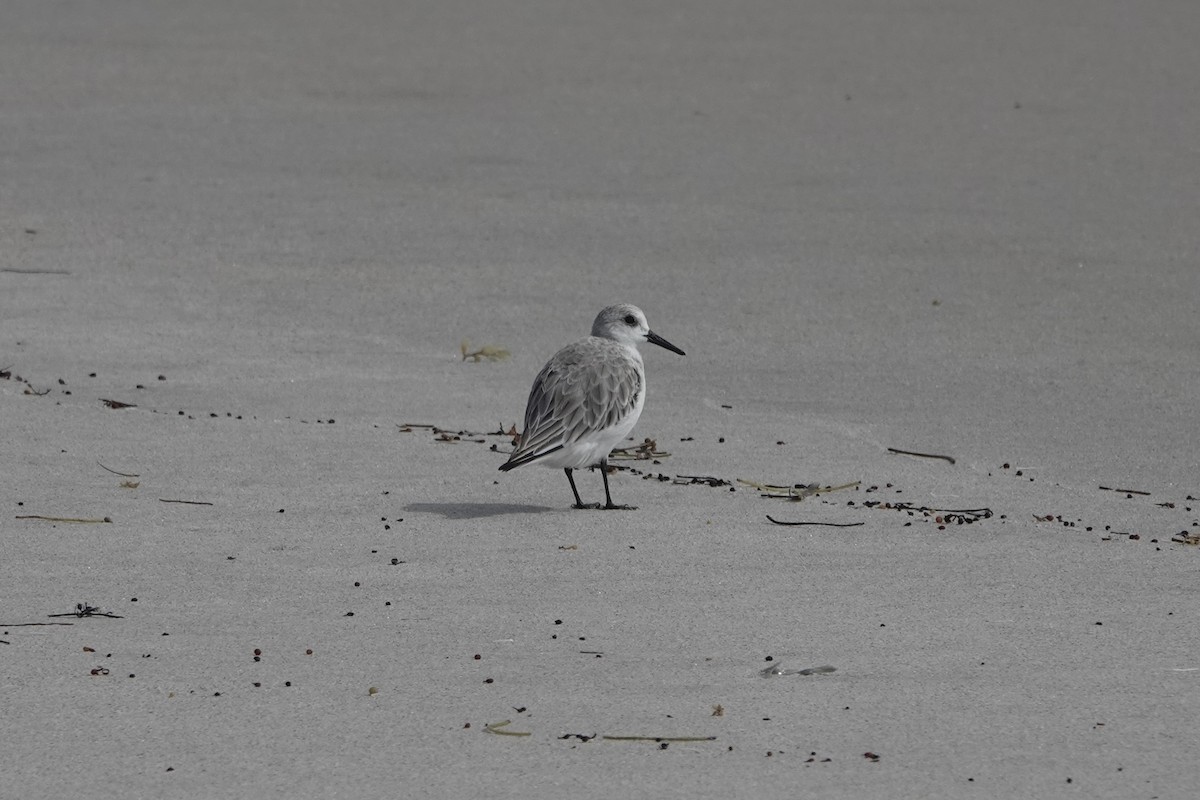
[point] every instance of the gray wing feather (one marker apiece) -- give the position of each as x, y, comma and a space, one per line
575, 394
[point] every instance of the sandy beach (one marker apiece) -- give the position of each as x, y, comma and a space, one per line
939, 259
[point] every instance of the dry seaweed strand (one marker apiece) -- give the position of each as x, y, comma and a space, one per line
823, 524
797, 491
645, 451
704, 480
121, 474
920, 455
20, 271
1125, 491
77, 520
659, 738
85, 610
498, 729
947, 516
186, 502
6, 374
490, 352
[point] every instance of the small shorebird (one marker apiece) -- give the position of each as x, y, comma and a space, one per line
587, 399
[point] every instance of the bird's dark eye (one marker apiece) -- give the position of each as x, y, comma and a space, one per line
630, 320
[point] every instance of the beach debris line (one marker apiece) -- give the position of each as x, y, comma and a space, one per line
445, 435
920, 455
501, 729
7, 375
645, 451
798, 491
942, 516
702, 480
1108, 534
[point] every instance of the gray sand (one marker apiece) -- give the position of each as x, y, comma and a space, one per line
966, 229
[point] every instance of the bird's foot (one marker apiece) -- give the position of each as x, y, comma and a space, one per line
614, 507
586, 506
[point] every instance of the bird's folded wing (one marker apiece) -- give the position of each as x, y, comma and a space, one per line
571, 399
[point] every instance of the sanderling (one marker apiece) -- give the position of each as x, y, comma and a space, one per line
588, 397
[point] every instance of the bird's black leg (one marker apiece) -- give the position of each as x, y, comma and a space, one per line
578, 501
608, 503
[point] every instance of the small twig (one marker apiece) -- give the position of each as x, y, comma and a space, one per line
122, 474
920, 455
20, 271
495, 727
825, 524
63, 519
660, 738
84, 610
187, 502
1125, 491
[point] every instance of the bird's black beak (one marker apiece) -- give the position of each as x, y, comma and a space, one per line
654, 338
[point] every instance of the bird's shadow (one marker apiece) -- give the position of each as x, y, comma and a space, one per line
474, 510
